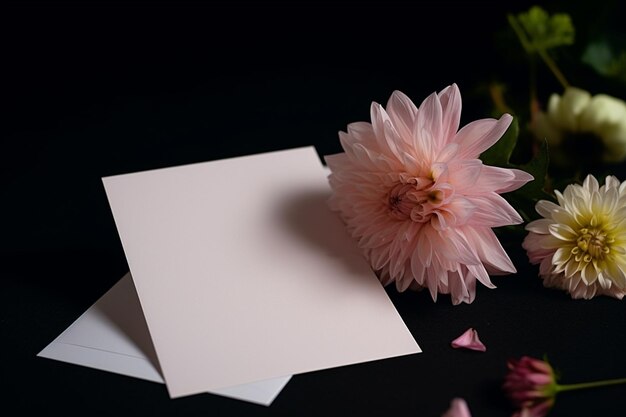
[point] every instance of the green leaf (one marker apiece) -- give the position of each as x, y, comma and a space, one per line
500, 153
524, 198
538, 30
601, 57
537, 167
598, 55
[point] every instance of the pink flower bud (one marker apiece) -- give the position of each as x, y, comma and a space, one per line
531, 386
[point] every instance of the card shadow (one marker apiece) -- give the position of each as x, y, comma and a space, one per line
308, 217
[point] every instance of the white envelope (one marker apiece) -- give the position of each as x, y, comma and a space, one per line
244, 275
112, 336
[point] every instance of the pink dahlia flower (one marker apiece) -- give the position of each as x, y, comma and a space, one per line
412, 191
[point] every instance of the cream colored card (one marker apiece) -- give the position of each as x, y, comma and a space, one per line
243, 273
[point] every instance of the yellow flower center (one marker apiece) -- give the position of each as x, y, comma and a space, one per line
592, 244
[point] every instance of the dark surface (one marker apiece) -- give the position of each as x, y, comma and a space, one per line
100, 90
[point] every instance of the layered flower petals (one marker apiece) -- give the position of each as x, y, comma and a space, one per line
531, 385
580, 243
414, 194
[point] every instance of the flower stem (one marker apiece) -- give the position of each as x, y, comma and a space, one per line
530, 47
532, 84
517, 28
553, 67
572, 387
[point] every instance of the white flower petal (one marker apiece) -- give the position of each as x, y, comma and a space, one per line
540, 226
562, 231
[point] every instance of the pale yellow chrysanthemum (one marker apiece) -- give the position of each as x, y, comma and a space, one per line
580, 243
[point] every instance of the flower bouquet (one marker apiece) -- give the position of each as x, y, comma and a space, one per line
430, 201
422, 195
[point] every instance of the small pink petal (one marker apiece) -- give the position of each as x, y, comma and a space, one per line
458, 408
469, 340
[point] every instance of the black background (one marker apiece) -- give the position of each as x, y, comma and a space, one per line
95, 89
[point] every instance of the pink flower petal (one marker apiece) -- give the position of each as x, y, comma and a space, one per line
469, 340
489, 250
458, 408
386, 135
402, 112
450, 98
494, 211
429, 119
500, 180
478, 136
